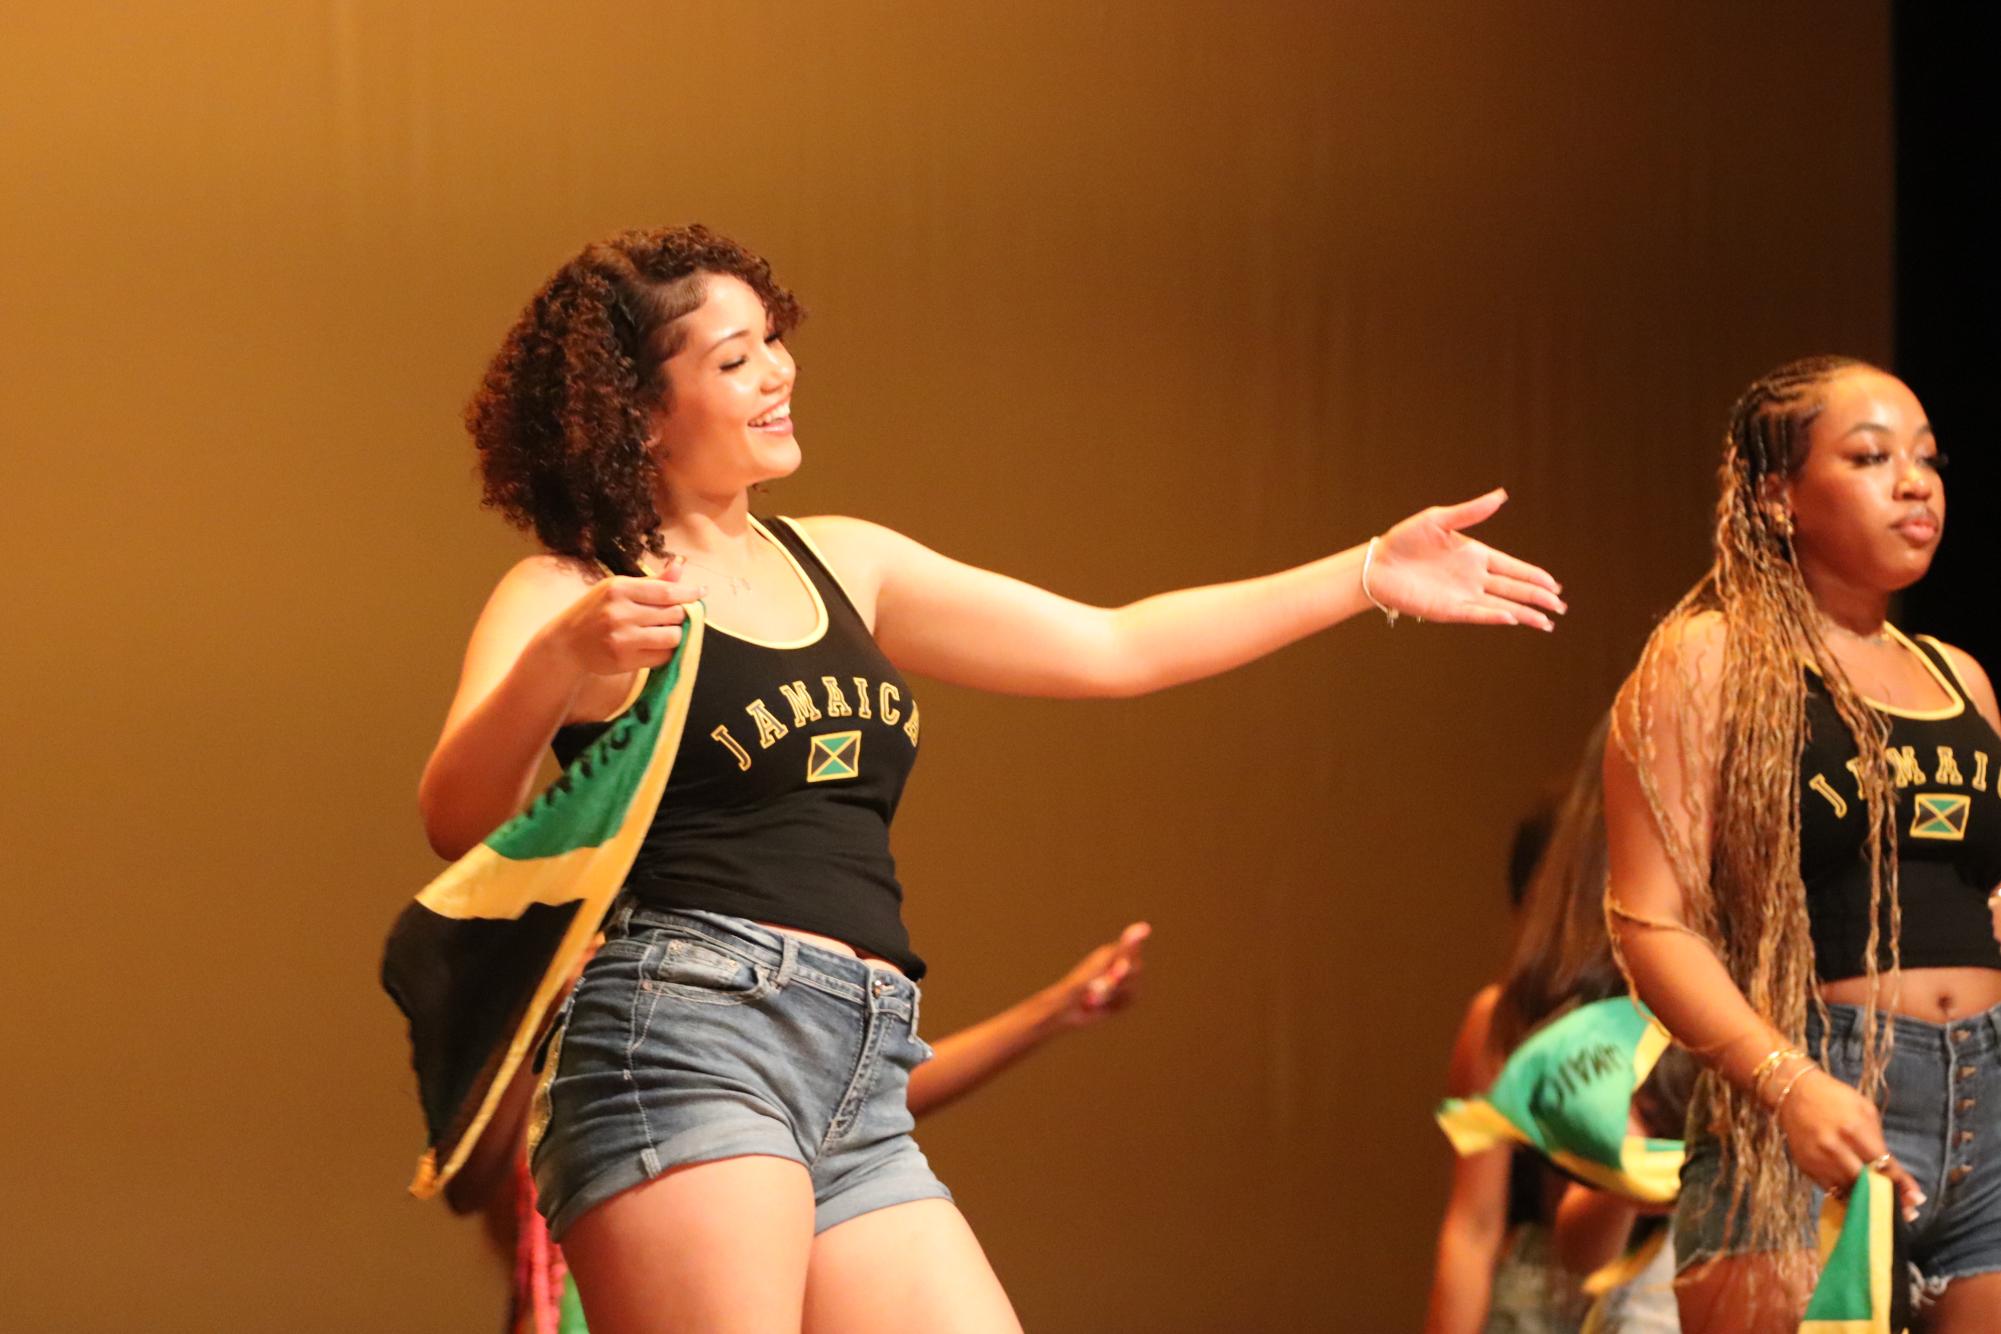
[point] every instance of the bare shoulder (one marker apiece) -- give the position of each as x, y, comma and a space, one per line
539, 586
569, 574
846, 535
1681, 664
857, 552
1697, 638
1971, 675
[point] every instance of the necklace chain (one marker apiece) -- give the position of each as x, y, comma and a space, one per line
1880, 638
738, 583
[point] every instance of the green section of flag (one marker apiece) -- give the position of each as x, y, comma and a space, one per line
570, 1318
1570, 1086
1853, 1295
1568, 1093
587, 804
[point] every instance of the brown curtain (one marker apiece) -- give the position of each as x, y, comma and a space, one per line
1111, 297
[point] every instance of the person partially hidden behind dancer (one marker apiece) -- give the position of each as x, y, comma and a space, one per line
1518, 1237
728, 1146
1804, 837
495, 1181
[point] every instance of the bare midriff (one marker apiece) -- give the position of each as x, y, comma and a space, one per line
1935, 995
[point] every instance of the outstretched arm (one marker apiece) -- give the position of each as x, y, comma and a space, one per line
943, 619
1100, 984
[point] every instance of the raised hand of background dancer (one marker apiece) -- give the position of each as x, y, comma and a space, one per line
1102, 983
1427, 567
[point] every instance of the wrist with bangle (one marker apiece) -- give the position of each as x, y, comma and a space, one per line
1368, 558
1775, 1061
1779, 1106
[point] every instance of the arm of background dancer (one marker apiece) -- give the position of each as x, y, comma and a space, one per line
1593, 1228
1102, 983
957, 623
1476, 1212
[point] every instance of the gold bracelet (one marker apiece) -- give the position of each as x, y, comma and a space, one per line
1368, 557
1792, 1083
1771, 1065
1763, 1069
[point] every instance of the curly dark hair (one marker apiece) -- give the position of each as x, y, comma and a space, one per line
562, 418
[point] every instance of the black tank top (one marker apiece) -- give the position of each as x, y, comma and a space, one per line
1946, 763
790, 768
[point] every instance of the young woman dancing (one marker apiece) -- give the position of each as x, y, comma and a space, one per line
728, 1145
1804, 834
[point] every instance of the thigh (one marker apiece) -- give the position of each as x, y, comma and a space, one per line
714, 1248
1970, 1305
911, 1267
1743, 1294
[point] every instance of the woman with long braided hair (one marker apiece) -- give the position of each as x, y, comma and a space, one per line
1804, 831
727, 1141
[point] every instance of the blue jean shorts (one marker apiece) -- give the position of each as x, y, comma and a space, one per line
1942, 1119
693, 1036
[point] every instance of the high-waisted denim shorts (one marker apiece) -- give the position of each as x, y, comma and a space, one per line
1942, 1120
693, 1036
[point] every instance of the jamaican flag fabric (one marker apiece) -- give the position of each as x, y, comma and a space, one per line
477, 962
1567, 1092
1861, 1264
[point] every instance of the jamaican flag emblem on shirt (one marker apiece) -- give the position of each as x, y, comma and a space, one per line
1940, 815
477, 962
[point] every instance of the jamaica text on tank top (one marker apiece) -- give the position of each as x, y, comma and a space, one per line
789, 772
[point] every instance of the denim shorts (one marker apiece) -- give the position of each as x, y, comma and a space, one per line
693, 1036
1942, 1119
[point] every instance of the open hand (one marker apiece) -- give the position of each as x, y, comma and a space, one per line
1427, 567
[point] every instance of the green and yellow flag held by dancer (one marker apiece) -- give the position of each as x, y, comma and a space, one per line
480, 958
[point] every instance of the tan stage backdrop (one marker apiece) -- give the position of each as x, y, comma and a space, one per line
1114, 297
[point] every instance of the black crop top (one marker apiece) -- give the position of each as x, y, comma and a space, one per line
1946, 764
790, 768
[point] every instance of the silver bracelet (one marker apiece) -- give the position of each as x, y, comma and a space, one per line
1368, 557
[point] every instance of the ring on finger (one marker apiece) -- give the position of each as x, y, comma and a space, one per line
1880, 1163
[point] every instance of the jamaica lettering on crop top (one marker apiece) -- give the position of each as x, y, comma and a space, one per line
1943, 762
789, 772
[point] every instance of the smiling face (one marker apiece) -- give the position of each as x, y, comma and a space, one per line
726, 423
1868, 504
